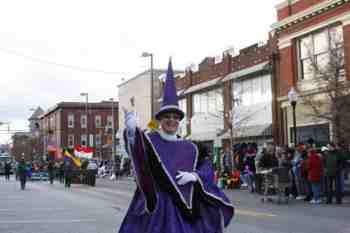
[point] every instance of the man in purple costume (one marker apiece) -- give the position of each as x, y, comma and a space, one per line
175, 191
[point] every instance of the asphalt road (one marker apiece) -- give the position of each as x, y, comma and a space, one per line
45, 208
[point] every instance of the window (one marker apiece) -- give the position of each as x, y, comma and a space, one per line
71, 140
70, 121
83, 121
318, 48
319, 133
252, 91
83, 140
209, 102
109, 121
196, 103
98, 121
183, 105
91, 140
98, 139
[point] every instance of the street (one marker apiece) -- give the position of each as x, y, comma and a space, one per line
45, 208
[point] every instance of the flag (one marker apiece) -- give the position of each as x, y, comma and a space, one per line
83, 152
87, 153
77, 151
68, 156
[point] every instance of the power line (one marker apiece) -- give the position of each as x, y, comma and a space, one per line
84, 69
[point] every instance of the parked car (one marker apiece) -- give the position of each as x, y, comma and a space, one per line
40, 176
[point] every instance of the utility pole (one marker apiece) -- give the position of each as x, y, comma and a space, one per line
87, 118
146, 54
113, 136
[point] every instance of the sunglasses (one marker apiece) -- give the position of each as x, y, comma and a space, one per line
169, 116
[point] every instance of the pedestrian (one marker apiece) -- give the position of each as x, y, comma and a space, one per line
333, 162
227, 160
176, 190
249, 167
61, 172
51, 171
268, 159
7, 168
92, 172
345, 156
117, 166
22, 171
298, 161
292, 190
315, 170
68, 173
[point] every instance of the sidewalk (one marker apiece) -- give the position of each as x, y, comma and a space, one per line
241, 196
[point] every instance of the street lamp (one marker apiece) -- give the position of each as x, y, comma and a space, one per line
86, 113
146, 54
113, 135
293, 98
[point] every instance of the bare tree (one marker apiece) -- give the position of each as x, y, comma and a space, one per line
330, 99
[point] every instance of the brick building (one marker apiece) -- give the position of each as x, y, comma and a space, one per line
68, 124
307, 30
234, 91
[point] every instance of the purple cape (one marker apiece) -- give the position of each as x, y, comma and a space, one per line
161, 205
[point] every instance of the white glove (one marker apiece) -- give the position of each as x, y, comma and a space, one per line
130, 125
185, 177
130, 120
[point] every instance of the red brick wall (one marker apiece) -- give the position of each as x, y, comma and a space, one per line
315, 20
288, 57
346, 32
296, 8
78, 131
287, 74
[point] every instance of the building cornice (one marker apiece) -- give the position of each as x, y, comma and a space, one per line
307, 14
247, 71
286, 41
311, 92
285, 4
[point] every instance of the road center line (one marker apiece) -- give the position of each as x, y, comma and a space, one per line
35, 221
33, 209
253, 213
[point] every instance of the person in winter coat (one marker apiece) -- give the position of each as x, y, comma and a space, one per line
315, 170
7, 170
68, 173
51, 171
22, 172
333, 161
268, 159
298, 161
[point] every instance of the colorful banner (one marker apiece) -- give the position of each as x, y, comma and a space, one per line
83, 152
69, 156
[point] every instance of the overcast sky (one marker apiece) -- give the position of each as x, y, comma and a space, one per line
51, 51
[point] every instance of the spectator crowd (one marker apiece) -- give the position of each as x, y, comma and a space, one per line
316, 174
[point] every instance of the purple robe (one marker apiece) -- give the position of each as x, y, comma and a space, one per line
159, 204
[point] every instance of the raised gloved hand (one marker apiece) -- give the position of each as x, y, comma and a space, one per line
130, 125
185, 177
130, 120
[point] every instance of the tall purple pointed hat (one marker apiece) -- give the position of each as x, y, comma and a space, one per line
170, 103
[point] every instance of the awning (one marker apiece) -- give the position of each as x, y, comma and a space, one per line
246, 71
181, 92
209, 136
250, 132
203, 85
